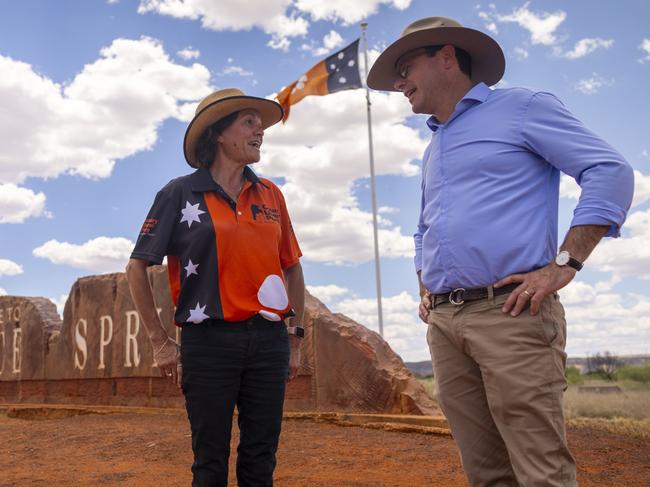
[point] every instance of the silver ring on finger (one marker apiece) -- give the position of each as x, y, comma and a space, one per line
529, 293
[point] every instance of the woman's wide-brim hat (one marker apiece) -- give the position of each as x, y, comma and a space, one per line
488, 61
220, 104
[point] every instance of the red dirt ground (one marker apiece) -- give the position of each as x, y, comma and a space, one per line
153, 449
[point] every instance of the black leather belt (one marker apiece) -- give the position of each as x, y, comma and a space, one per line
460, 295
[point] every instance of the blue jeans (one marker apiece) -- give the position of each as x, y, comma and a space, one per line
234, 363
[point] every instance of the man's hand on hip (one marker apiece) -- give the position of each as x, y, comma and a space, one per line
534, 287
425, 306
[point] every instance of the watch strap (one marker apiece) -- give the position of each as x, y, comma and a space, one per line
298, 331
576, 264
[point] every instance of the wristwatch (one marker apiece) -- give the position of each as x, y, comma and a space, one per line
299, 331
564, 258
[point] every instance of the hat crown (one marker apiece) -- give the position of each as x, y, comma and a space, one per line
429, 23
219, 95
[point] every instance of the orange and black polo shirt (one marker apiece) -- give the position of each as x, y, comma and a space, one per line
224, 258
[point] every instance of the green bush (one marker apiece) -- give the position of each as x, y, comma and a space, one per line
573, 375
637, 373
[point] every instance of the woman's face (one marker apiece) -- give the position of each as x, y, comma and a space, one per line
242, 140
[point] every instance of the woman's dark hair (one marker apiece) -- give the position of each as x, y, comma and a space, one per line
206, 147
462, 56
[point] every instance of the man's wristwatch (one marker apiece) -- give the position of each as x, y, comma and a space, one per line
564, 259
299, 331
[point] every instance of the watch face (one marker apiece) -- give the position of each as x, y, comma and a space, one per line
562, 258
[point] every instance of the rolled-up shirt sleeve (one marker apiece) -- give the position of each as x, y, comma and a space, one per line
606, 179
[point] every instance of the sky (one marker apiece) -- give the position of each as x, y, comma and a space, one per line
95, 96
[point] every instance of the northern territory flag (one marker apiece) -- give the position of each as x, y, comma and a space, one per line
338, 72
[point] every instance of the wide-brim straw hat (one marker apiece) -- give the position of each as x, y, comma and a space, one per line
220, 104
488, 61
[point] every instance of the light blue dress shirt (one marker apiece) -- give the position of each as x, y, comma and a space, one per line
490, 187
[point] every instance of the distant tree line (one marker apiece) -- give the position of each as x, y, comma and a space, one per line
610, 367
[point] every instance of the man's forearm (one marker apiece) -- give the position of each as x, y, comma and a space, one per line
581, 240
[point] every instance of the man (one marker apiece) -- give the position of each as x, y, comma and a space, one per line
486, 246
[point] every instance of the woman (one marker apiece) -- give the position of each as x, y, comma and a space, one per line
236, 279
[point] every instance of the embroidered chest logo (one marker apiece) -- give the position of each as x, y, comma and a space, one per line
265, 213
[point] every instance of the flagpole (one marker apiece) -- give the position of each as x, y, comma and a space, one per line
373, 191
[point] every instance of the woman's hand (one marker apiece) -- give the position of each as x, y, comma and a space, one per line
168, 358
294, 357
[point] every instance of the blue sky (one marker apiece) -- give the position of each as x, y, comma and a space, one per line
95, 96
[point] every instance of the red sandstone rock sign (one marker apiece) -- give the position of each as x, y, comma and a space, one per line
100, 354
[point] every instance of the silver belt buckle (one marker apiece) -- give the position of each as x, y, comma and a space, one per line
457, 294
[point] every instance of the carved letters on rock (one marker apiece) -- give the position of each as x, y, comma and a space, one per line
100, 354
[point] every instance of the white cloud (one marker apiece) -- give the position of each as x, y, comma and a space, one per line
629, 255
236, 70
189, 53
346, 11
3, 292
542, 25
17, 204
102, 254
329, 292
403, 330
520, 53
599, 319
60, 303
327, 217
220, 15
591, 86
645, 46
110, 110
10, 268
281, 19
331, 41
586, 46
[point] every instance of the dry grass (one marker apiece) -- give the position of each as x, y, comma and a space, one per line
630, 404
635, 428
626, 413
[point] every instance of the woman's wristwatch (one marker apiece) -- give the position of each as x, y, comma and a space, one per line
297, 330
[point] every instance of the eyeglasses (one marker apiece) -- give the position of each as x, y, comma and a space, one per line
404, 63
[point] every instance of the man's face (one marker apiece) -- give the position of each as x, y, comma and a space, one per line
419, 78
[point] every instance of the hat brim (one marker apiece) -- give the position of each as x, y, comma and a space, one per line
488, 61
270, 112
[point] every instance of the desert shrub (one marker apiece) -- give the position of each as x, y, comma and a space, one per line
573, 375
604, 364
637, 373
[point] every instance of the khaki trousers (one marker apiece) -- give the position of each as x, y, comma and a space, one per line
500, 382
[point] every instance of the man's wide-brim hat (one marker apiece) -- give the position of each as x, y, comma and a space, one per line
488, 62
220, 104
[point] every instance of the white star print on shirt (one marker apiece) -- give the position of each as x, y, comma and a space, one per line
191, 268
197, 314
191, 214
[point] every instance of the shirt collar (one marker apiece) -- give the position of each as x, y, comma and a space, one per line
201, 179
477, 94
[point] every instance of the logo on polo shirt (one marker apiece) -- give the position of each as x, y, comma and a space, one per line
148, 226
270, 214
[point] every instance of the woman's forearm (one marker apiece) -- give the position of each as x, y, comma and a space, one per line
136, 274
296, 291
